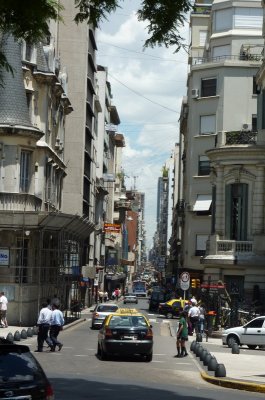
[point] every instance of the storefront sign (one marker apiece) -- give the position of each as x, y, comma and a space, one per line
112, 228
4, 257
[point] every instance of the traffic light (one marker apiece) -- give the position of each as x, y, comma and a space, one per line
198, 283
193, 283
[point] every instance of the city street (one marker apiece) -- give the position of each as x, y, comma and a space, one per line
77, 373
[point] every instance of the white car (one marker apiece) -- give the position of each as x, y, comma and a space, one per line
100, 312
251, 334
130, 298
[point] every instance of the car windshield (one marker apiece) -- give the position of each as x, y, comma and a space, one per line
127, 320
107, 308
17, 367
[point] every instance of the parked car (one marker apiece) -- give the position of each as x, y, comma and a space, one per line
100, 312
251, 334
130, 298
171, 308
126, 332
21, 376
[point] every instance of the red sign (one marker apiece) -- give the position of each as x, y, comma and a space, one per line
212, 286
112, 228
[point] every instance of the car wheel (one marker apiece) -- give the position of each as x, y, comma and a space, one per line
252, 346
99, 351
232, 340
149, 357
169, 315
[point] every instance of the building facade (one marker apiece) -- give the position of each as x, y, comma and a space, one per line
222, 158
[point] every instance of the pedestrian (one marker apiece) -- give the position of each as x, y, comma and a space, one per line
57, 322
43, 324
201, 318
106, 296
193, 315
117, 294
3, 309
182, 335
101, 295
55, 300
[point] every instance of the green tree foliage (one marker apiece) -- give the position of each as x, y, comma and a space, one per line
30, 19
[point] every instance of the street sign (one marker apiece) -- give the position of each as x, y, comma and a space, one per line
184, 277
184, 280
184, 285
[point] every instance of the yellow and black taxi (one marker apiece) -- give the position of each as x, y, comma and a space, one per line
172, 308
126, 332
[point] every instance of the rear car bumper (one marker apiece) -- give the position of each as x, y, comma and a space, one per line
97, 322
127, 347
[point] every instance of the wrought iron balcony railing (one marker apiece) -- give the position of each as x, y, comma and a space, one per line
240, 137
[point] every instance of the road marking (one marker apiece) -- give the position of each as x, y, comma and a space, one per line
157, 354
156, 361
166, 321
81, 355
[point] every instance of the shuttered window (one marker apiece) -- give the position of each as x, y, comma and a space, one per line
248, 18
207, 124
223, 19
203, 37
222, 51
201, 245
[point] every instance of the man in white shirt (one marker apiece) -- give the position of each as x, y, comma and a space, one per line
43, 324
193, 315
3, 309
57, 322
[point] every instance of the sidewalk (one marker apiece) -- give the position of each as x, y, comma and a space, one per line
244, 371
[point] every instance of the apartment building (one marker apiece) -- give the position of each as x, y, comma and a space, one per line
222, 153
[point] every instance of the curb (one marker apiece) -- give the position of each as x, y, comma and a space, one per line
234, 384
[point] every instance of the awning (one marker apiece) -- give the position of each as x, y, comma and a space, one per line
203, 202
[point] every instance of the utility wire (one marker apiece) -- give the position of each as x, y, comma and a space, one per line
146, 98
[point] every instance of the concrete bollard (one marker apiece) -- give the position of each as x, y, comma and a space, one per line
212, 365
30, 332
207, 359
192, 346
199, 337
235, 349
220, 371
10, 337
24, 334
203, 355
35, 330
17, 336
196, 347
199, 352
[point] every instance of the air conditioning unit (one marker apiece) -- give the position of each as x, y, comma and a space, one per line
246, 127
194, 93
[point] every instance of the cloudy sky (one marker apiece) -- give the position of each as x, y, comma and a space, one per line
147, 88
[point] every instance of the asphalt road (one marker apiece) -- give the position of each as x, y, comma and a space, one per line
77, 373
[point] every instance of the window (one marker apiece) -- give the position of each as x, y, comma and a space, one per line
257, 323
203, 37
204, 166
255, 86
28, 52
203, 204
208, 87
25, 160
248, 18
236, 211
220, 52
223, 19
207, 124
201, 245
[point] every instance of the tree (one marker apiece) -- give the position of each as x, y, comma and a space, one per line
30, 21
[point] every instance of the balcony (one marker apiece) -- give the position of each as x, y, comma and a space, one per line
221, 59
225, 252
234, 247
232, 138
19, 202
